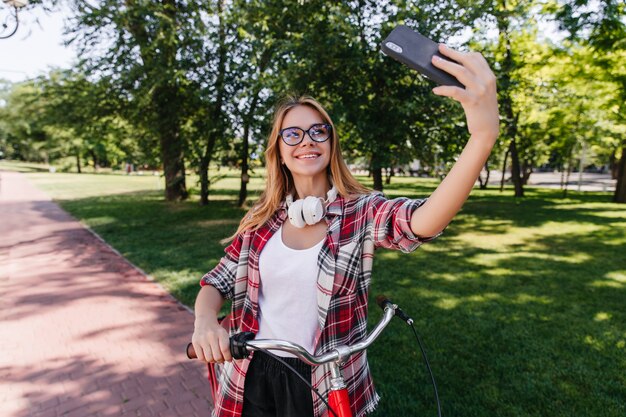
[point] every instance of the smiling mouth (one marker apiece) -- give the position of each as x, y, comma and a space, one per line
308, 156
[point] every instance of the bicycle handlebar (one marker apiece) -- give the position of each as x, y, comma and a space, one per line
242, 343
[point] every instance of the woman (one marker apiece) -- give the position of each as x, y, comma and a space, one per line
306, 279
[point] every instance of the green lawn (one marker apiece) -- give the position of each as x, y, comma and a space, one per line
521, 303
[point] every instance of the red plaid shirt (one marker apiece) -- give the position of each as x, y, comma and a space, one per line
355, 228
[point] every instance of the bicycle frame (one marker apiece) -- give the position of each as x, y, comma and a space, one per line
338, 398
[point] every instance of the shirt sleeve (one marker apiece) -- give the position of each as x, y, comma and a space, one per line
222, 277
391, 221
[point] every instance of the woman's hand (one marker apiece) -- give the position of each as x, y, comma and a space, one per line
210, 341
479, 98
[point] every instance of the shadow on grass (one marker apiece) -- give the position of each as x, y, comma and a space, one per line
533, 328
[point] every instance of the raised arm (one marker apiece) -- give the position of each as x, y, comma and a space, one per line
480, 103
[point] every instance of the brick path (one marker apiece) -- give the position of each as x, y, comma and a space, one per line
83, 333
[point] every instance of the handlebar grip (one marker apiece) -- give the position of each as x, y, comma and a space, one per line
383, 302
237, 346
191, 352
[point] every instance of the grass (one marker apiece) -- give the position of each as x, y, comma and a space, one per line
521, 303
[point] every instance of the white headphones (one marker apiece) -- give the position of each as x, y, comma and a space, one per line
309, 210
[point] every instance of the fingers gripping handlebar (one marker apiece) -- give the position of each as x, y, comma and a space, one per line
237, 346
242, 343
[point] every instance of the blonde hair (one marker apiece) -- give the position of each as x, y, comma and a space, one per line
280, 182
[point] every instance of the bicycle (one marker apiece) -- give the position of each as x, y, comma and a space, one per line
338, 402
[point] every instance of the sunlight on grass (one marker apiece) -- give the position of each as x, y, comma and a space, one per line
515, 237
484, 297
594, 343
606, 284
217, 222
614, 279
494, 259
446, 303
62, 186
528, 298
102, 221
619, 276
602, 316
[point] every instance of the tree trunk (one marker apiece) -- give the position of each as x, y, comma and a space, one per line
205, 162
245, 178
166, 100
216, 113
526, 172
78, 162
620, 188
204, 180
389, 175
377, 173
505, 87
172, 156
484, 184
613, 164
568, 172
94, 158
506, 156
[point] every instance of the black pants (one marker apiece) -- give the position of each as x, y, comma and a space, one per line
272, 390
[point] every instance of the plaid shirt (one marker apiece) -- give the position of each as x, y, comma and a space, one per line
355, 228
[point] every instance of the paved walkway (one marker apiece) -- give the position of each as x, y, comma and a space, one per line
83, 333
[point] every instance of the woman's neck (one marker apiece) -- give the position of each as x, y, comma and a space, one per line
316, 186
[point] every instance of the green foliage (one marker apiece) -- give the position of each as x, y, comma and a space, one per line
188, 84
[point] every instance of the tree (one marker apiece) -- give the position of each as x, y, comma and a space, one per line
383, 109
152, 49
604, 30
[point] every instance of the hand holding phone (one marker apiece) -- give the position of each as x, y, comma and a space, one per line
416, 51
451, 69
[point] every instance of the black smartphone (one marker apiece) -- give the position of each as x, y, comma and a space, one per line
416, 51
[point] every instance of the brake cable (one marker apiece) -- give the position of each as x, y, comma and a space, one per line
384, 302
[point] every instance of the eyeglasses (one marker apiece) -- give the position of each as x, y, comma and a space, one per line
319, 132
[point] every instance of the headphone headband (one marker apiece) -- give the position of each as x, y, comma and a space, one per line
331, 196
309, 210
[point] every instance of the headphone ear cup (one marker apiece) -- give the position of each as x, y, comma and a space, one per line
295, 214
312, 210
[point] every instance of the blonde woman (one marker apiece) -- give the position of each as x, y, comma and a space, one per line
298, 272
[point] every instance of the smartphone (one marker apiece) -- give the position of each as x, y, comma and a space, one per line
416, 51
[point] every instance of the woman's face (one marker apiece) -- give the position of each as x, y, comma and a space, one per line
308, 158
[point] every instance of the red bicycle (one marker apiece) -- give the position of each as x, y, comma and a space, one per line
338, 402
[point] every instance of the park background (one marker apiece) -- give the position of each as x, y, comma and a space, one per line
154, 139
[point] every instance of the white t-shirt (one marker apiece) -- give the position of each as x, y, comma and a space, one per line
288, 293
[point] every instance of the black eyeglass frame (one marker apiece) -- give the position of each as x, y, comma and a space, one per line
328, 126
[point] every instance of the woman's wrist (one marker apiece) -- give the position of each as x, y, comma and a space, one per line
205, 318
484, 139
